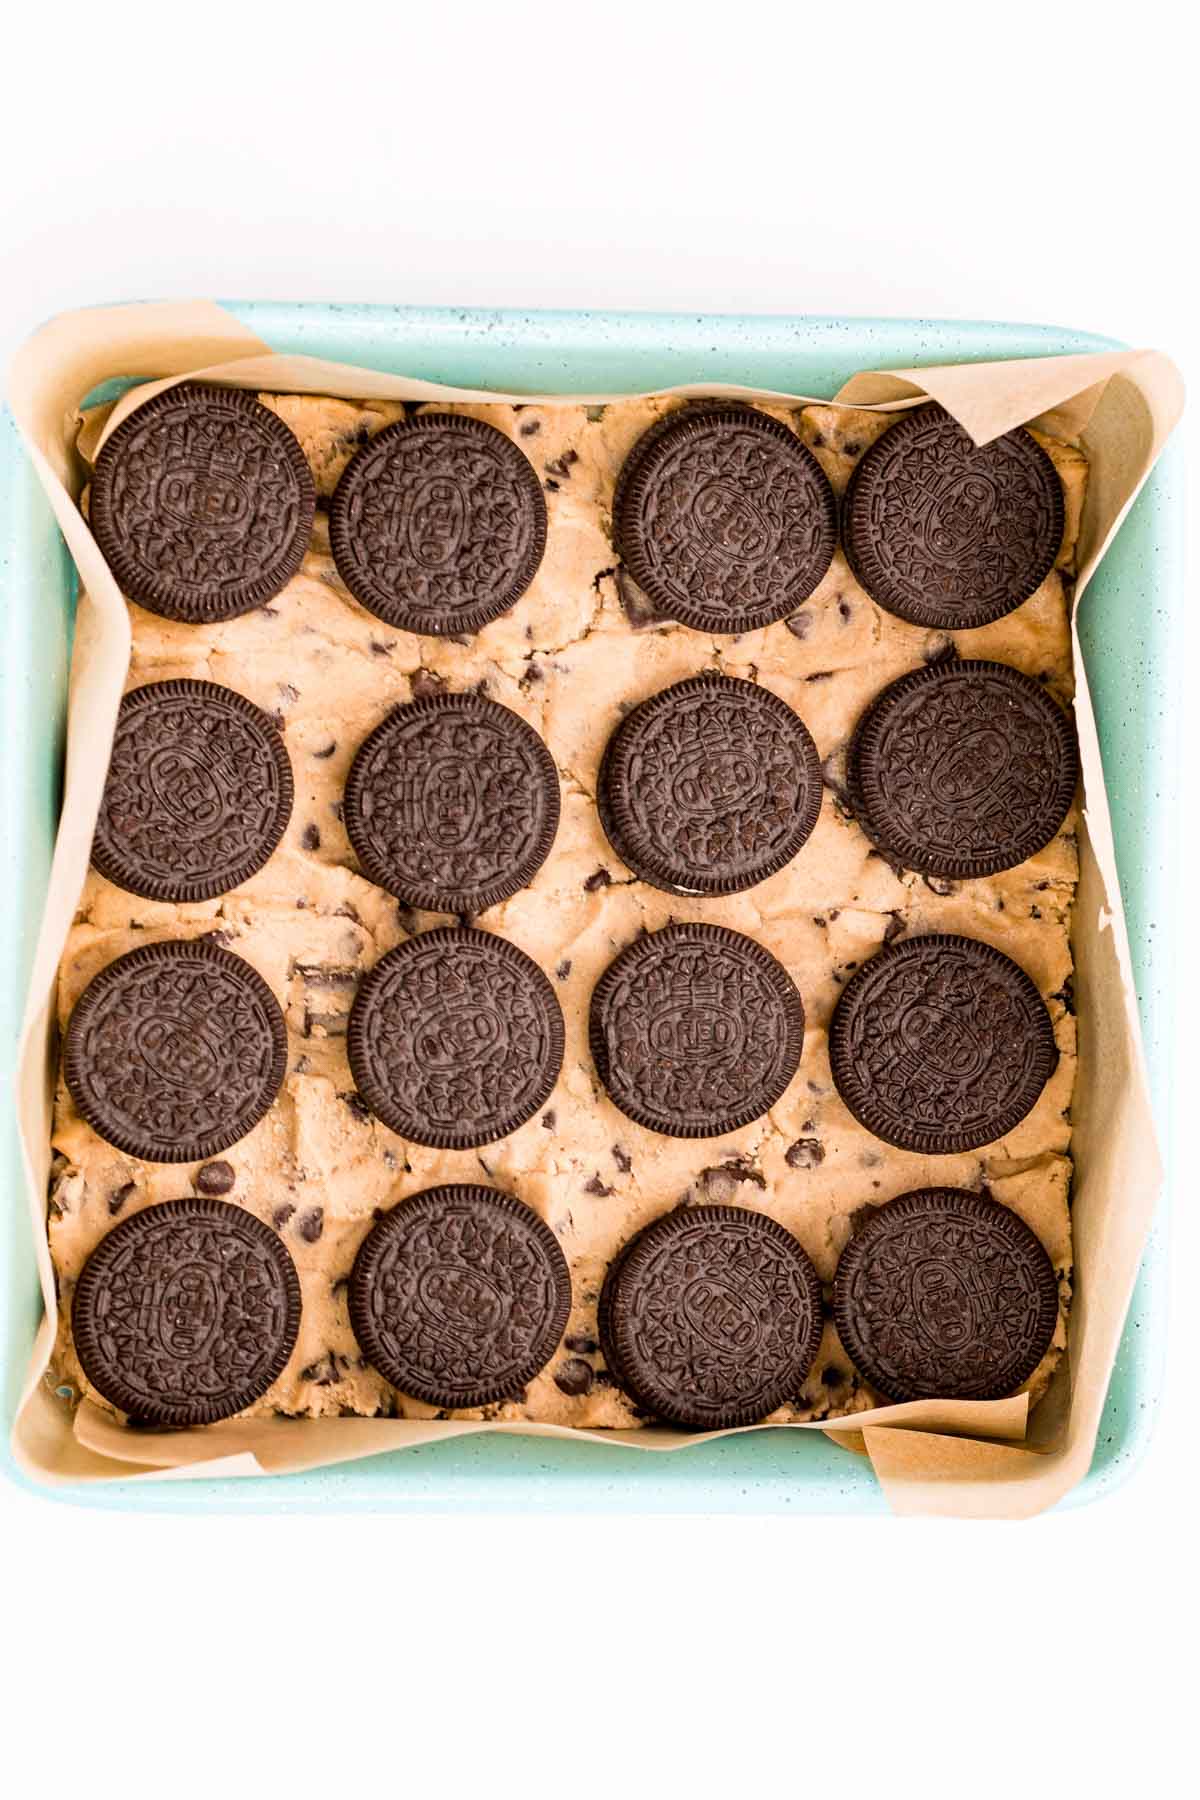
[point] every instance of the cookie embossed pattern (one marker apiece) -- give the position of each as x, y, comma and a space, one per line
696, 1030
710, 787
724, 518
944, 532
459, 1296
945, 1294
198, 795
452, 803
187, 1312
456, 1038
963, 770
175, 1051
712, 1317
941, 1044
202, 503
438, 524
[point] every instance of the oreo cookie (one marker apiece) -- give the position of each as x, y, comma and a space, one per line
944, 1294
438, 524
459, 1296
946, 533
455, 1039
710, 786
175, 1051
696, 1030
940, 1044
202, 503
711, 1317
723, 518
963, 769
186, 1313
198, 795
452, 803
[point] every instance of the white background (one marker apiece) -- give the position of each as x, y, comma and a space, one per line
1033, 163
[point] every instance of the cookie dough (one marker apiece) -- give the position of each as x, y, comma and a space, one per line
580, 648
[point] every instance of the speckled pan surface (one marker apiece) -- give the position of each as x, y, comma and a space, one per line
1129, 631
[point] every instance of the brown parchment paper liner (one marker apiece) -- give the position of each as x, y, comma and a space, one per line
941, 1457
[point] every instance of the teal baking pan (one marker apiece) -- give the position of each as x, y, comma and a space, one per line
1132, 658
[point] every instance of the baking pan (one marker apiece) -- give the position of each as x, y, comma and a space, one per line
1132, 662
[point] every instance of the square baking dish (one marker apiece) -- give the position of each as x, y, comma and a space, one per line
1132, 662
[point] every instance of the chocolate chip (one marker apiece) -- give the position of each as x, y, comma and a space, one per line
1066, 995
529, 427
833, 774
118, 1197
215, 1178
311, 1224
564, 968
357, 1105
805, 1153
324, 755
327, 975
800, 624
323, 1373
550, 1119
639, 609
940, 649
846, 610
574, 1376
833, 1377
552, 486
622, 1159
894, 928
381, 649
601, 879
938, 884
821, 675
852, 447
595, 1186
721, 1181
281, 1215
581, 1344
310, 838
425, 683
562, 464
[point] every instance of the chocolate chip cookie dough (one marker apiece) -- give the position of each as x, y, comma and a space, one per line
579, 649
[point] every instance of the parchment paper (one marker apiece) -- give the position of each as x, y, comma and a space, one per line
943, 1457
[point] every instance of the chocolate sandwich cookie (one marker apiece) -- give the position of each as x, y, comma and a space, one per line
711, 1317
186, 1312
455, 1039
459, 1296
175, 1051
198, 795
963, 769
695, 1030
202, 503
710, 786
452, 803
940, 1044
944, 1294
723, 518
950, 534
438, 524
